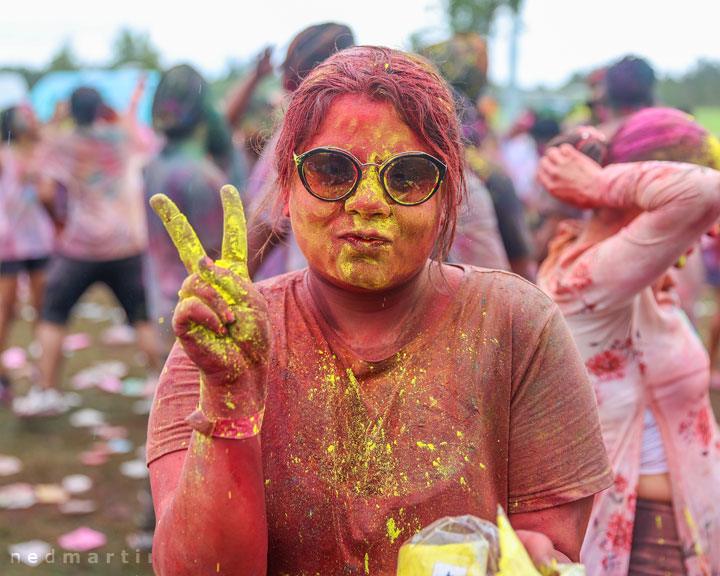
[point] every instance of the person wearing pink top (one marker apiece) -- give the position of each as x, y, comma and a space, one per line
613, 279
103, 239
26, 230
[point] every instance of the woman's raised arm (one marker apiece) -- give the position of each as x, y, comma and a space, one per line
209, 499
674, 205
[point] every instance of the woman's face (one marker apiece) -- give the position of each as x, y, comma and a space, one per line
366, 242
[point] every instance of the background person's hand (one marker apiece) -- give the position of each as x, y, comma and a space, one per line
264, 66
570, 176
221, 320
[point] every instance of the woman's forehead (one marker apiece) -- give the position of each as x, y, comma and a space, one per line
366, 127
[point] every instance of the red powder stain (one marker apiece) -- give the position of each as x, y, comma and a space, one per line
619, 531
607, 365
580, 277
577, 280
703, 427
621, 483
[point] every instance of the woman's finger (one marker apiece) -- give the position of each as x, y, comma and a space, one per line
234, 246
181, 233
193, 312
197, 286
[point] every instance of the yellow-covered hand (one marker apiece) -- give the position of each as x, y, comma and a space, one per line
221, 320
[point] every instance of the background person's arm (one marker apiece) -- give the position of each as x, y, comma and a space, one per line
675, 205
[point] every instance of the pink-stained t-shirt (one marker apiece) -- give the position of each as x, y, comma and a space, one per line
642, 352
26, 230
491, 405
101, 168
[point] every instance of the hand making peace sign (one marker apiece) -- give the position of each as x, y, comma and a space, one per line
221, 320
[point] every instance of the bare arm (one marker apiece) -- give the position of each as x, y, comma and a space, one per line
554, 533
676, 203
240, 99
210, 499
210, 506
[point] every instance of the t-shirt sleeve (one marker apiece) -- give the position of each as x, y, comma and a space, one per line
176, 396
556, 451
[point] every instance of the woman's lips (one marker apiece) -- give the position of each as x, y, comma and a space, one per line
366, 239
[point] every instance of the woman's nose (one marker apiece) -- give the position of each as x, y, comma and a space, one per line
369, 198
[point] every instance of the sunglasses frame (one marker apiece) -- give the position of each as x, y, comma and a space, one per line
300, 161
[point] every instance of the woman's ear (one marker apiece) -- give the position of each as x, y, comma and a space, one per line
286, 205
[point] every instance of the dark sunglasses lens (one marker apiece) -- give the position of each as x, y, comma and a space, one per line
329, 175
411, 179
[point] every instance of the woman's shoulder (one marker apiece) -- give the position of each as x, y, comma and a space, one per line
503, 287
281, 282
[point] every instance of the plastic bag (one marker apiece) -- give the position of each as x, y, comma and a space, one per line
469, 546
451, 546
515, 560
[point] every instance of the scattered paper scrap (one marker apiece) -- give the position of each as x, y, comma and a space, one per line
77, 507
107, 432
50, 494
118, 335
17, 496
14, 358
75, 342
134, 469
9, 465
82, 539
76, 483
119, 445
110, 384
31, 553
87, 418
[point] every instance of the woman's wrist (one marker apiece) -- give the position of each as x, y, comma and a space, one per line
231, 428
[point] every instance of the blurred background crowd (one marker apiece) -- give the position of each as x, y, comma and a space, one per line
89, 279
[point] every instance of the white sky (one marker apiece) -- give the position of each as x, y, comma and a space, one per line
559, 36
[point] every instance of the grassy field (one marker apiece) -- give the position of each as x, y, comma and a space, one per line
709, 117
49, 449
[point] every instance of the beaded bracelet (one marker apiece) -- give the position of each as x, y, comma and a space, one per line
233, 428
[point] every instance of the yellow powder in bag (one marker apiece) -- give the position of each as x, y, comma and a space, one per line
459, 559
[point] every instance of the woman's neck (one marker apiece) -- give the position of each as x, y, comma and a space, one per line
377, 324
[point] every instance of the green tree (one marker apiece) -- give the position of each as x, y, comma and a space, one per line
477, 15
134, 47
64, 59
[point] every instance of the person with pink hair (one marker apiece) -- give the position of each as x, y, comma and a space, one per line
613, 278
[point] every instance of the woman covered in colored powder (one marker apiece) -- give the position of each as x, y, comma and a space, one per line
26, 229
613, 279
311, 423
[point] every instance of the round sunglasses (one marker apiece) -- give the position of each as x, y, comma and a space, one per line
333, 174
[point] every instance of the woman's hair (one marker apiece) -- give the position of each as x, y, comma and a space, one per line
7, 127
311, 46
664, 134
408, 82
85, 105
586, 139
629, 83
179, 102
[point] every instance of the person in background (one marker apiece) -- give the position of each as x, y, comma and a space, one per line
184, 172
462, 60
26, 230
613, 278
103, 239
628, 87
271, 246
